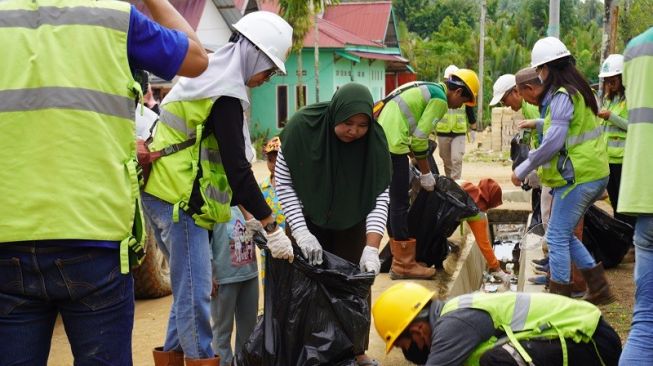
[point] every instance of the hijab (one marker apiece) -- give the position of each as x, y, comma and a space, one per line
337, 182
230, 67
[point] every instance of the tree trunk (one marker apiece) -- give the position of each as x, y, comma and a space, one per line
300, 83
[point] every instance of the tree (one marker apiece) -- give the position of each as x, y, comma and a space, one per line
299, 14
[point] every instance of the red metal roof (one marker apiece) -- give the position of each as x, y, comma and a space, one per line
368, 20
331, 35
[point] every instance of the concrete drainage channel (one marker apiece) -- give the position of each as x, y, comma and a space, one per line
508, 224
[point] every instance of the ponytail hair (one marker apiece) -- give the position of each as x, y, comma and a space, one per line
563, 73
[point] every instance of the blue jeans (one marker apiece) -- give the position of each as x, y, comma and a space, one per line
84, 285
187, 248
239, 300
568, 207
639, 346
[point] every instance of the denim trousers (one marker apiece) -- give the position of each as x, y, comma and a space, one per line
83, 284
569, 205
639, 346
187, 248
239, 301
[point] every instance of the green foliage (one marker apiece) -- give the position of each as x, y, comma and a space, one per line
635, 16
435, 34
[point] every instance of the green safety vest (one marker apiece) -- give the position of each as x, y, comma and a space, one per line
456, 122
409, 118
583, 158
67, 114
173, 176
530, 111
528, 316
614, 136
635, 191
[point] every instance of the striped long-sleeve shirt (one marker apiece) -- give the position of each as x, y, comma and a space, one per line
292, 205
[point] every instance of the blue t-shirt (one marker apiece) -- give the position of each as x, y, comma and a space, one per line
234, 258
153, 47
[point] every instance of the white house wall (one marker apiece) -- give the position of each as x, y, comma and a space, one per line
212, 29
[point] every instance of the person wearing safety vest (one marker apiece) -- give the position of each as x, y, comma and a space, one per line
71, 225
505, 93
192, 188
636, 195
572, 161
507, 328
452, 132
615, 124
529, 87
407, 120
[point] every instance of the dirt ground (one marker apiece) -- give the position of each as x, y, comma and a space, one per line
151, 315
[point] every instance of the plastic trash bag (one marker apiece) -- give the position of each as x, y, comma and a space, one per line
518, 150
314, 315
434, 216
606, 238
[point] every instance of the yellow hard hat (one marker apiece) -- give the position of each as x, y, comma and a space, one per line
396, 308
470, 79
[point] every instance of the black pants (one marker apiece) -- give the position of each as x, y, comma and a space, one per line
613, 193
549, 353
399, 203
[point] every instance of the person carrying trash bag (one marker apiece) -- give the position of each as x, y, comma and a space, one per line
208, 171
572, 160
332, 176
507, 328
314, 314
408, 119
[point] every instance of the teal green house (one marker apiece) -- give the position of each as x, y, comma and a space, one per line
357, 43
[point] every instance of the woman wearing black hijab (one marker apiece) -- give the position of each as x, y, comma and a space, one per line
333, 173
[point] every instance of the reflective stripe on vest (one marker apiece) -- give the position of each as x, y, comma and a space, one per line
640, 115
585, 136
67, 112
408, 114
176, 123
455, 121
173, 176
18, 100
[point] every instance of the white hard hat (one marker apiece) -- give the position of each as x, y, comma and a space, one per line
504, 83
613, 65
270, 33
450, 70
546, 50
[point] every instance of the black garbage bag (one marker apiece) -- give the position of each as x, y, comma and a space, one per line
434, 216
607, 239
314, 315
518, 150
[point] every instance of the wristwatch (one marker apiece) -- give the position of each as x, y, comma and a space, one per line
271, 227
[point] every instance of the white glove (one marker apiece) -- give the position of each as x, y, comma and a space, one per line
251, 227
370, 260
311, 248
427, 181
280, 246
532, 180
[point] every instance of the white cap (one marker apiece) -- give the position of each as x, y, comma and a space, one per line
270, 33
504, 83
613, 65
450, 70
546, 50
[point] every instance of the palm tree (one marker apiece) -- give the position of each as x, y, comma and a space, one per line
300, 14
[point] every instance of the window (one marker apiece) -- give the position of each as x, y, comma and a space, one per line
282, 105
297, 106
